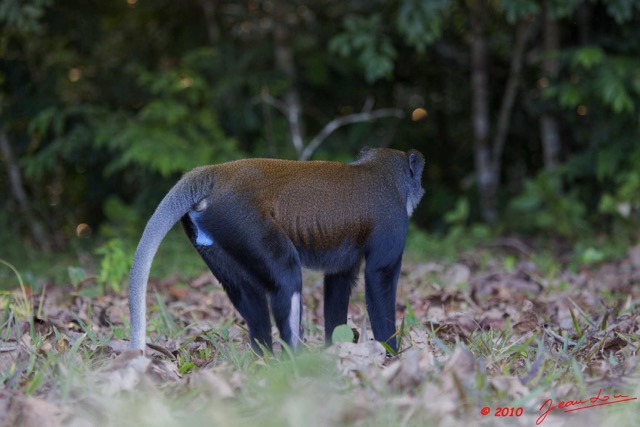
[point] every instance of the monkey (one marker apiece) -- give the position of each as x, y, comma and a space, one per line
257, 222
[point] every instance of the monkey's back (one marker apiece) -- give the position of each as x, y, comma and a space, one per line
317, 204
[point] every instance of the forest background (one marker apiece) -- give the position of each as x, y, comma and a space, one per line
527, 111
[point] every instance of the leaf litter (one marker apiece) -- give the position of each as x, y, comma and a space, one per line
474, 334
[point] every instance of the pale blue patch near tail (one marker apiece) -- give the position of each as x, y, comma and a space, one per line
202, 237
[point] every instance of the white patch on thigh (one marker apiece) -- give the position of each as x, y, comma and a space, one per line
294, 319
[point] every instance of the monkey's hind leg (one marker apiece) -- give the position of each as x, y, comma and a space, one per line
286, 292
270, 258
246, 296
251, 255
268, 255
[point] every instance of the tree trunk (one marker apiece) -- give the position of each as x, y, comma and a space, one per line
524, 31
488, 154
549, 129
209, 10
485, 176
17, 188
291, 105
584, 23
284, 63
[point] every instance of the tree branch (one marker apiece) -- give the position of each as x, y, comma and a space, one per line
284, 63
17, 188
523, 33
209, 9
274, 102
486, 180
549, 127
338, 122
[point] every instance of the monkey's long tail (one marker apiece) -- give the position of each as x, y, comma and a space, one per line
179, 200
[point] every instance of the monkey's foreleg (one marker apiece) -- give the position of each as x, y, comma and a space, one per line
337, 290
380, 294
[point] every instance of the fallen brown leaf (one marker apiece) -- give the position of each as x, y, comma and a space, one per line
29, 411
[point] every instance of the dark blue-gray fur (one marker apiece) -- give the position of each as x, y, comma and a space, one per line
267, 218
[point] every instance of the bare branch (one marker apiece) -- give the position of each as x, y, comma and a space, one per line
368, 104
290, 108
549, 127
284, 63
486, 181
338, 122
266, 98
209, 9
294, 113
524, 32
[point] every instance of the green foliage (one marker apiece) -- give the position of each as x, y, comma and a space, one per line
562, 8
622, 10
342, 333
71, 132
587, 57
517, 9
23, 15
374, 50
459, 229
121, 219
105, 104
20, 303
599, 79
410, 320
589, 255
459, 215
623, 201
543, 206
115, 264
420, 22
459, 236
177, 129
76, 275
592, 249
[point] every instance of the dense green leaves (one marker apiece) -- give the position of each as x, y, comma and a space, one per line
367, 37
23, 15
420, 22
105, 104
622, 10
543, 207
362, 38
517, 9
562, 8
610, 81
623, 200
588, 57
175, 131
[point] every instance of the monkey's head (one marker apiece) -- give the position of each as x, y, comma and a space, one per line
406, 167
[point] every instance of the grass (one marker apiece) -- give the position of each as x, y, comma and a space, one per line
465, 348
238, 388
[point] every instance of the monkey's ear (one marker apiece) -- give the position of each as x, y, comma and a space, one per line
416, 163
